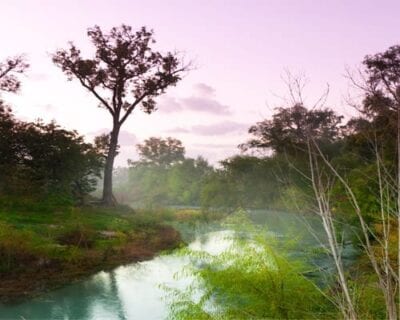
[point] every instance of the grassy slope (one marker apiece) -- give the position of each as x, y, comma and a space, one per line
44, 248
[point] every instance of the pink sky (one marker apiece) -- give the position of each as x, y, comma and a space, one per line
241, 49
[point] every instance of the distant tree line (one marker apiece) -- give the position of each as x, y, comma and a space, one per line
164, 176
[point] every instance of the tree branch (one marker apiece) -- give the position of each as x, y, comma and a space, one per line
94, 92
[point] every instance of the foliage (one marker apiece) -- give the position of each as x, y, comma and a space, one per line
166, 177
289, 129
160, 152
9, 70
44, 160
254, 182
125, 72
31, 238
162, 176
250, 280
383, 79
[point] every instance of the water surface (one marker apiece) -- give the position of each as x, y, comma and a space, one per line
134, 291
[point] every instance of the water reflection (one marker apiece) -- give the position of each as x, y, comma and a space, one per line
93, 299
133, 291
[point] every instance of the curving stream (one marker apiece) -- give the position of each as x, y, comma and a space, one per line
133, 291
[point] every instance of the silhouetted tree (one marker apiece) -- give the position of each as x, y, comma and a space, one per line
383, 79
124, 73
381, 105
102, 143
8, 73
290, 128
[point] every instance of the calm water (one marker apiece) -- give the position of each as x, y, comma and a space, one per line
133, 291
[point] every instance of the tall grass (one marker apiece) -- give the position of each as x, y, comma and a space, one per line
253, 279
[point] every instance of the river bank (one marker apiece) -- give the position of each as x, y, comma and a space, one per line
152, 289
145, 290
40, 251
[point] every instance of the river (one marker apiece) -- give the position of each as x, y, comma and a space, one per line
134, 291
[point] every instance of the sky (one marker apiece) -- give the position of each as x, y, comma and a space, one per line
241, 50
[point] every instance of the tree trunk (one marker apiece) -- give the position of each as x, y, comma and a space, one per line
108, 198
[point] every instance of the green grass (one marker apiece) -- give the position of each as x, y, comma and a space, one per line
249, 281
32, 232
43, 246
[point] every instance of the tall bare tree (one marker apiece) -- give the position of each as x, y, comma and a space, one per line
380, 84
125, 72
380, 92
322, 184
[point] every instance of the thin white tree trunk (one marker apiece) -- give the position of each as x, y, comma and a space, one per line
347, 305
387, 282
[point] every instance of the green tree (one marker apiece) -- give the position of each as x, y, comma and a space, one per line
39, 160
125, 72
160, 152
186, 180
383, 80
290, 128
163, 176
9, 126
60, 161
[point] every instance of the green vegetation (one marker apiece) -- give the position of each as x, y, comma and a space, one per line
44, 162
347, 174
52, 229
260, 276
56, 246
254, 278
162, 176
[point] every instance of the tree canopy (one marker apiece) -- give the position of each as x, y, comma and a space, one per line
289, 129
383, 79
9, 70
39, 160
125, 72
161, 152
